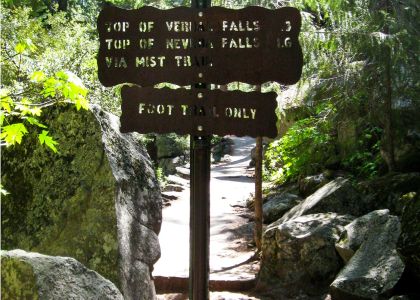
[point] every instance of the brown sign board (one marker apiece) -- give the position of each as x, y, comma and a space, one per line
198, 112
184, 45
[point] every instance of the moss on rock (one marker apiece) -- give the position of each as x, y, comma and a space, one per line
62, 204
17, 280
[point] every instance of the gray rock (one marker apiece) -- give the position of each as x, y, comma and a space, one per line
252, 162
170, 195
222, 148
375, 268
169, 165
359, 231
337, 196
53, 277
277, 205
400, 297
62, 204
409, 241
300, 253
138, 207
388, 191
173, 188
183, 172
310, 184
173, 179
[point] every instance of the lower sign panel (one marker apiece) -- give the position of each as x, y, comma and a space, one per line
198, 112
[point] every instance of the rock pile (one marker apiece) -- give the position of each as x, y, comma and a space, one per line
342, 241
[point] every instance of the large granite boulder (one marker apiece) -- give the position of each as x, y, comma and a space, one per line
138, 207
359, 231
62, 204
337, 196
276, 205
387, 191
409, 241
309, 184
375, 268
29, 275
301, 253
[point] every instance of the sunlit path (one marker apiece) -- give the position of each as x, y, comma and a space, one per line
230, 187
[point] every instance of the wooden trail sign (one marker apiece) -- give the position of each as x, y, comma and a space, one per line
198, 46
198, 112
186, 45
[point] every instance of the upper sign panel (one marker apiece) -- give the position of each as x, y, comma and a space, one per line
185, 45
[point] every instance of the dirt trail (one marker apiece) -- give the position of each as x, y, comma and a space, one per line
230, 231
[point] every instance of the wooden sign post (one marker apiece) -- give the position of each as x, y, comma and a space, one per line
200, 157
196, 47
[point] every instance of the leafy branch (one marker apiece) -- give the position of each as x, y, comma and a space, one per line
18, 111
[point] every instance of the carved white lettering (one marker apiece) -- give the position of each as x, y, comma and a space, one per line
178, 43
160, 109
146, 26
117, 26
240, 113
253, 113
241, 43
184, 109
150, 61
179, 26
242, 26
117, 44
146, 43
284, 42
197, 111
116, 62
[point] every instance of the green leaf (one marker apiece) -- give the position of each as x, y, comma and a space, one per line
5, 104
3, 191
37, 76
20, 48
24, 107
62, 75
50, 86
34, 121
81, 102
32, 47
13, 133
44, 138
35, 111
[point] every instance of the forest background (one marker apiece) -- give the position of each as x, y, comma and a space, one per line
356, 107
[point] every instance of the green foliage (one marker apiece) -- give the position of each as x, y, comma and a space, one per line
366, 161
47, 140
28, 86
171, 145
160, 175
360, 59
305, 149
17, 280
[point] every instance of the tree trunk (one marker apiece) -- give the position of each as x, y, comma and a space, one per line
388, 126
62, 5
